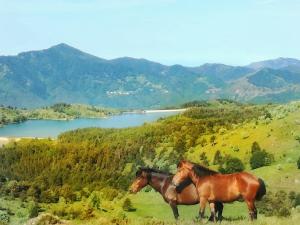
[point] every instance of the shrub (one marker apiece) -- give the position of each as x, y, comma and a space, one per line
260, 158
217, 158
278, 204
284, 212
4, 217
298, 163
236, 148
33, 210
296, 201
35, 192
49, 196
204, 159
202, 141
109, 193
76, 210
255, 147
231, 165
2, 178
127, 205
95, 200
213, 140
297, 137
67, 193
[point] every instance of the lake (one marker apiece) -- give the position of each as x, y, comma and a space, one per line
52, 128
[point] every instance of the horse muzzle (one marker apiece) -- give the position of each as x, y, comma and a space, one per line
174, 185
178, 187
132, 190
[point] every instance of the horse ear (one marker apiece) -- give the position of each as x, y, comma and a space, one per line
138, 171
180, 163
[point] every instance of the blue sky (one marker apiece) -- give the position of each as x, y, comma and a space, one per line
188, 32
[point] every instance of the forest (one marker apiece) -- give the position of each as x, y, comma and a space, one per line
58, 111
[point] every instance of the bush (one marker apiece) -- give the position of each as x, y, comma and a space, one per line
298, 163
76, 210
255, 147
95, 200
284, 212
260, 158
109, 193
278, 204
295, 199
217, 158
33, 210
204, 159
231, 165
127, 205
49, 196
67, 193
4, 217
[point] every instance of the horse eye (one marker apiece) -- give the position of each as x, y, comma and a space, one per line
138, 173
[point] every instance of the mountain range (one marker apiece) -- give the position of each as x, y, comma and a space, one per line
65, 74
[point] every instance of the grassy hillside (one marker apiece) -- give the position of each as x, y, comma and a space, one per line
84, 175
60, 111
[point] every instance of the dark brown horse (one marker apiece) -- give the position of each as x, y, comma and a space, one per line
213, 186
161, 182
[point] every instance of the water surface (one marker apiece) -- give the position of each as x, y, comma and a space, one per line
52, 128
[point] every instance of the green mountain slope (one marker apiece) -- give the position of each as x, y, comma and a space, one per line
65, 74
278, 63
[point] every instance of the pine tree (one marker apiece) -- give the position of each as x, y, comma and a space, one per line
217, 158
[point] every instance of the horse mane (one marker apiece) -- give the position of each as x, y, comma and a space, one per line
202, 171
183, 185
152, 170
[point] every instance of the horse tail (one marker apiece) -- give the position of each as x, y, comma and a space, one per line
261, 189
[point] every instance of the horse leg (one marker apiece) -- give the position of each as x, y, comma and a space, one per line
255, 212
252, 209
213, 212
219, 210
175, 210
202, 207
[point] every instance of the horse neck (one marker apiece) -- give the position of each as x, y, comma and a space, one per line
157, 181
193, 176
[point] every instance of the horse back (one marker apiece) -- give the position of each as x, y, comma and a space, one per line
228, 187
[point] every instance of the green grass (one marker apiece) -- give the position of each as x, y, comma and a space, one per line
152, 205
17, 209
281, 176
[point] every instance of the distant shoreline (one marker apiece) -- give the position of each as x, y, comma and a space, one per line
6, 140
155, 111
165, 110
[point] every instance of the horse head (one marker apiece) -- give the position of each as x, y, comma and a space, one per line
142, 178
183, 172
189, 170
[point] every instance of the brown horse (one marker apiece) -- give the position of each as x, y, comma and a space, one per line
162, 182
213, 186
